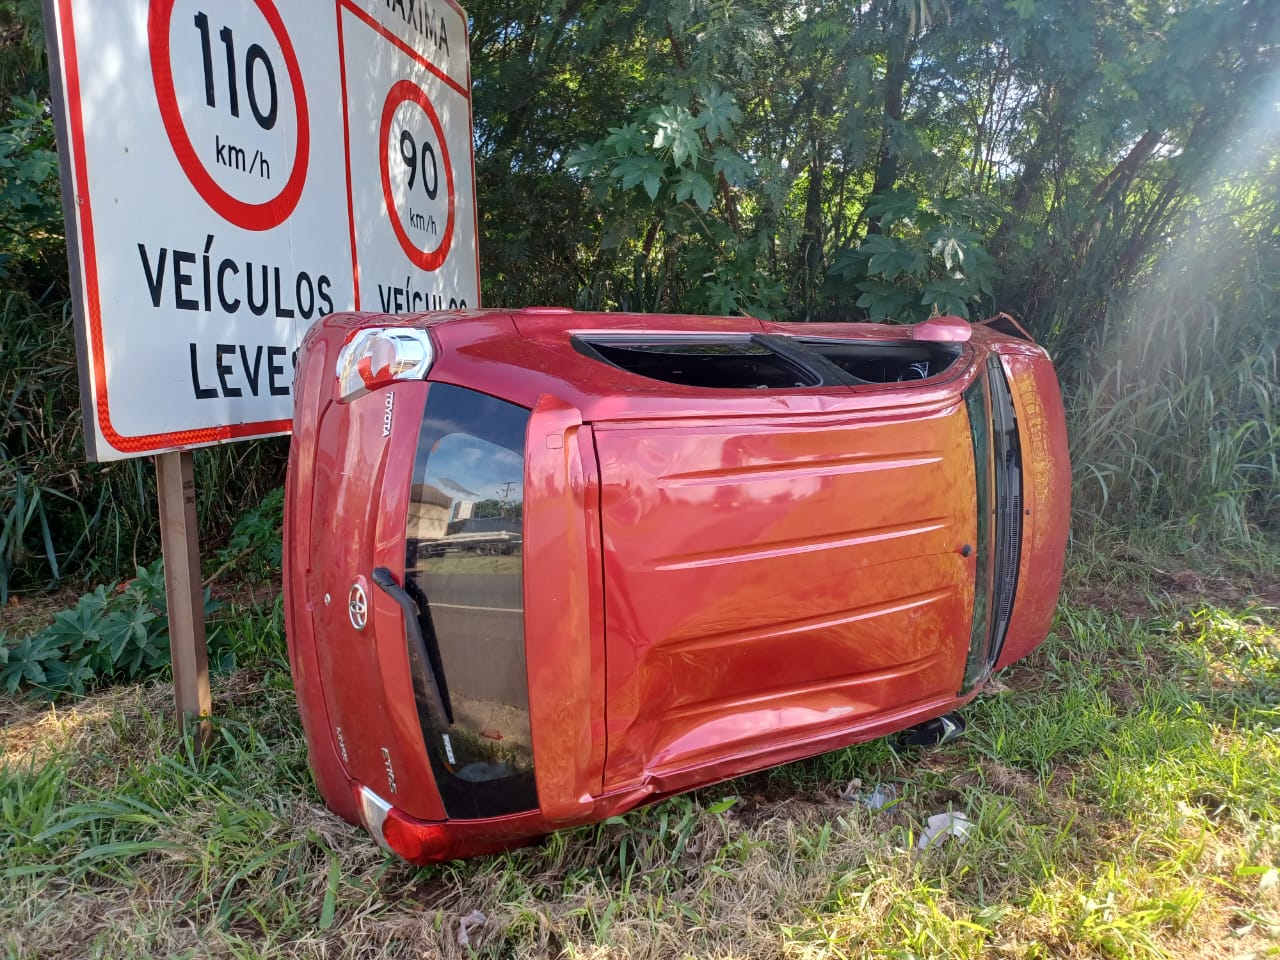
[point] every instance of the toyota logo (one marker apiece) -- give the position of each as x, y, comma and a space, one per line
358, 606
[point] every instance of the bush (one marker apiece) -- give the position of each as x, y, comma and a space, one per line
117, 633
120, 632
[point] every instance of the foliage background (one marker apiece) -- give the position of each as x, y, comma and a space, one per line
1108, 171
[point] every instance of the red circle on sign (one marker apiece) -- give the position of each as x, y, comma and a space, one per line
406, 91
250, 216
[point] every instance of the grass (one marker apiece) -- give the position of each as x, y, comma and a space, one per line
473, 563
1125, 790
1172, 407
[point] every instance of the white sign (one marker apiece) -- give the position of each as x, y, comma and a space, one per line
234, 170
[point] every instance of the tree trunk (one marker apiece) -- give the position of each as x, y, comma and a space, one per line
1122, 173
895, 81
812, 238
1029, 183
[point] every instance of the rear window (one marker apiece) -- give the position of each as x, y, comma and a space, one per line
464, 571
880, 361
742, 363
768, 361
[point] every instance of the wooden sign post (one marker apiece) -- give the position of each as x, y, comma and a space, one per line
179, 542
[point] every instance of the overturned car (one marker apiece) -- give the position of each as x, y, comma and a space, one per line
544, 566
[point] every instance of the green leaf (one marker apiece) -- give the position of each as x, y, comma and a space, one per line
75, 675
30, 870
877, 243
892, 206
981, 269
719, 113
586, 159
634, 171
693, 185
149, 581
733, 167
882, 300
330, 893
116, 632
952, 244
27, 661
849, 264
722, 805
124, 849
890, 257
626, 140
722, 300
79, 628
948, 295
677, 131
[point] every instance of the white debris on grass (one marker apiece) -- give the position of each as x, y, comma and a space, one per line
879, 797
941, 826
473, 919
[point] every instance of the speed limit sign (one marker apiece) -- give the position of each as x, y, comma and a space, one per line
421, 162
411, 129
235, 170
235, 183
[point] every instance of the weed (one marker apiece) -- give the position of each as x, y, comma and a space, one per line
1172, 404
118, 632
63, 518
254, 550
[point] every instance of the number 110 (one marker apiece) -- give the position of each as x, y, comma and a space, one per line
253, 56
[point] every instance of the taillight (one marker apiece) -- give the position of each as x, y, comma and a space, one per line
416, 841
396, 833
381, 355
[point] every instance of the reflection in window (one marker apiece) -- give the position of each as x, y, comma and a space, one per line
464, 564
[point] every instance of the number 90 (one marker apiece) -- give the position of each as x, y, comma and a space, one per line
410, 155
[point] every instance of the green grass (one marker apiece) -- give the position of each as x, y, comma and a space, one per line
1171, 408
473, 563
1125, 791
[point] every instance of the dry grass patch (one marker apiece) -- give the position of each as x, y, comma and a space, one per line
105, 724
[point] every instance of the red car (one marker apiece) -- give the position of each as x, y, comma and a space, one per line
543, 566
